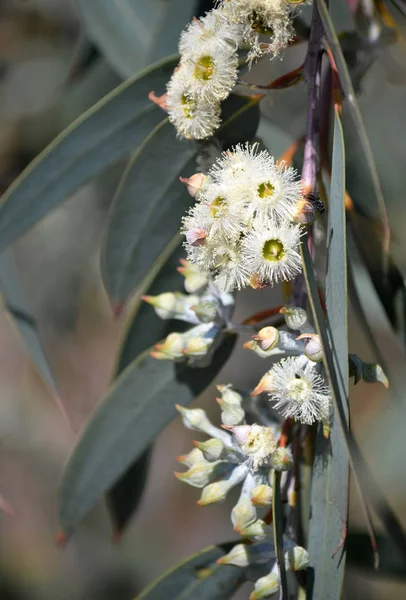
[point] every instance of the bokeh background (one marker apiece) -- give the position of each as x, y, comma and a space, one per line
51, 70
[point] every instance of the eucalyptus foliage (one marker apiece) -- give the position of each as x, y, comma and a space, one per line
248, 219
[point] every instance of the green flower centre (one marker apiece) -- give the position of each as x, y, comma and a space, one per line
273, 250
258, 24
266, 189
204, 68
188, 106
299, 389
215, 206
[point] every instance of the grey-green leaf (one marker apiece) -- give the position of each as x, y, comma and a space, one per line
109, 130
329, 492
140, 403
148, 209
132, 33
198, 578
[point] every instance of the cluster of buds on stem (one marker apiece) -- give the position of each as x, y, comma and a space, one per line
205, 307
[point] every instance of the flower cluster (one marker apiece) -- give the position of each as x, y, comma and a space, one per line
204, 307
294, 383
208, 66
242, 227
242, 455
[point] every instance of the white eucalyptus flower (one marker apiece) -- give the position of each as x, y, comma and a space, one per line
213, 26
270, 251
193, 118
299, 391
211, 71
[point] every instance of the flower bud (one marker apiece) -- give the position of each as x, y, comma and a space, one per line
257, 530
266, 338
193, 457
211, 449
259, 445
173, 305
295, 317
197, 346
171, 348
261, 495
216, 492
206, 312
252, 345
231, 415
297, 558
194, 183
194, 418
243, 514
237, 556
201, 473
229, 396
313, 346
195, 280
265, 587
264, 385
282, 459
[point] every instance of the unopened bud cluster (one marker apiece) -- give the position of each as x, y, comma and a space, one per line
241, 455
206, 308
243, 227
294, 384
208, 66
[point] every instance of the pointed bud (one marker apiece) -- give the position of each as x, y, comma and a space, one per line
201, 473
282, 459
195, 183
195, 280
261, 495
212, 450
229, 396
190, 459
170, 348
197, 346
206, 312
254, 347
243, 514
195, 237
216, 492
265, 587
240, 432
237, 556
194, 418
297, 558
231, 415
313, 346
173, 305
257, 530
265, 385
266, 338
160, 101
295, 318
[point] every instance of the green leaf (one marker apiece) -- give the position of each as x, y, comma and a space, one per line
330, 477
198, 578
277, 518
143, 328
150, 201
140, 403
133, 33
352, 105
124, 497
147, 210
367, 371
105, 133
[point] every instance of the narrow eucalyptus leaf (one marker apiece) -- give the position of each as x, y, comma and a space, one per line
197, 577
109, 130
140, 403
330, 477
